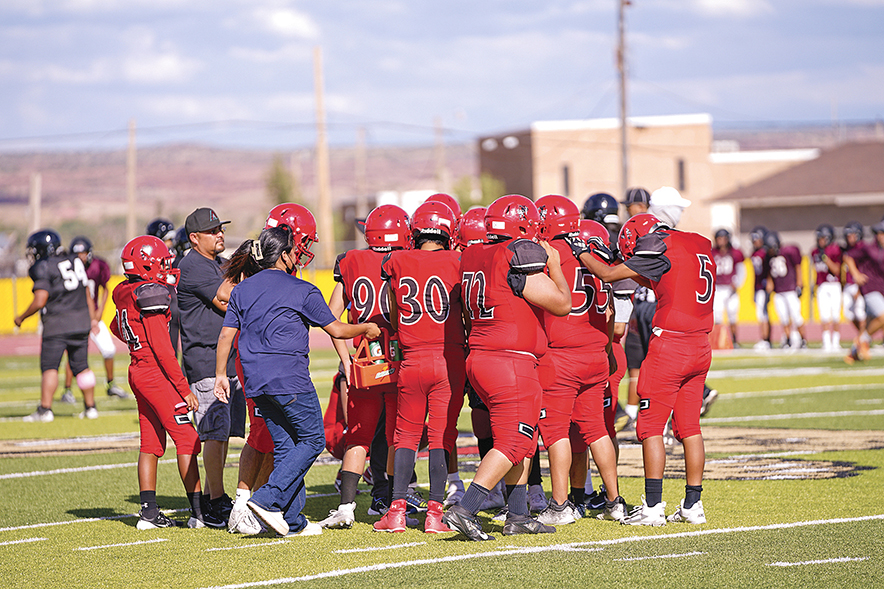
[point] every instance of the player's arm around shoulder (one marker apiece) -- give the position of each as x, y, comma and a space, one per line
550, 292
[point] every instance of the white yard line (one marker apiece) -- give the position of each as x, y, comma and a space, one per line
782, 416
539, 549
154, 541
25, 541
375, 548
774, 372
658, 556
262, 544
802, 391
825, 561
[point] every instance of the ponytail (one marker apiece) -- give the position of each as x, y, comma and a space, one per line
254, 255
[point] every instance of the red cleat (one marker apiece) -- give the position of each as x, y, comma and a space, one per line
433, 523
394, 519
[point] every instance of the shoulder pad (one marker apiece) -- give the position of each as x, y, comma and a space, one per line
337, 271
652, 244
527, 256
151, 297
384, 274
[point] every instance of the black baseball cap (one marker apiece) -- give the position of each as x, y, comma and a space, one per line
636, 196
202, 219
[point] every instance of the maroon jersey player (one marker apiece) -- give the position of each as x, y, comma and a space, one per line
504, 289
427, 312
164, 398
679, 268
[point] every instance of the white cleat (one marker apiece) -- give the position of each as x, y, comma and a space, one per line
342, 517
243, 521
616, 513
694, 515
643, 515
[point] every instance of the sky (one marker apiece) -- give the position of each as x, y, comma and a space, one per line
239, 73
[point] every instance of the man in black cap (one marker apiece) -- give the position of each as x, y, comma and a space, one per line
637, 200
202, 315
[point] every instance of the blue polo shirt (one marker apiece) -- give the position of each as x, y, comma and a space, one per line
274, 312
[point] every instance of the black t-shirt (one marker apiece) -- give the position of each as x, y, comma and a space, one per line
200, 320
67, 308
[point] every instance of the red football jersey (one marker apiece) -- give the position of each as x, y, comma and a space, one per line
426, 285
492, 279
142, 322
681, 270
586, 324
364, 293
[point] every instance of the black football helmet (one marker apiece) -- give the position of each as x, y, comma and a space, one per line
854, 228
80, 245
181, 242
772, 241
723, 233
161, 228
826, 232
43, 244
601, 207
758, 233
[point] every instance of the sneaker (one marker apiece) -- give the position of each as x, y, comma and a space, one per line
495, 499
42, 414
501, 515
378, 506
596, 500
311, 529
115, 391
708, 400
642, 515
416, 503
222, 506
616, 511
525, 524
454, 494
243, 521
621, 419
556, 514
68, 397
206, 519
694, 515
275, 520
433, 524
89, 413
459, 519
536, 498
342, 517
579, 509
159, 521
394, 519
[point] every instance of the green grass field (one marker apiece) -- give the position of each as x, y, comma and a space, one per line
788, 505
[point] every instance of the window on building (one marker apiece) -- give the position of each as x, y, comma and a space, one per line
566, 180
682, 181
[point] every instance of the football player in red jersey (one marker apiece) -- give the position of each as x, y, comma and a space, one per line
142, 321
504, 289
826, 260
426, 311
784, 278
731, 275
360, 288
679, 268
575, 372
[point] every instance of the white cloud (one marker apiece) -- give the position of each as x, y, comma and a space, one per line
733, 8
286, 22
159, 68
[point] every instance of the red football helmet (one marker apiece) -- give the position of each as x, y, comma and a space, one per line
300, 220
637, 226
558, 216
435, 219
448, 200
511, 217
590, 228
471, 229
386, 227
147, 257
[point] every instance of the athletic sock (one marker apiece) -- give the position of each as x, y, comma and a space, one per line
578, 495
242, 495
474, 498
534, 476
588, 489
149, 509
195, 500
403, 467
517, 499
349, 480
653, 491
438, 467
692, 495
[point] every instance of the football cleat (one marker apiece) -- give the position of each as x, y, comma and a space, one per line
158, 521
433, 524
708, 400
596, 500
342, 517
41, 414
243, 521
394, 519
68, 397
275, 520
221, 506
525, 524
536, 498
763, 345
556, 514
459, 519
89, 413
501, 515
694, 515
615, 511
115, 391
416, 503
378, 506
643, 515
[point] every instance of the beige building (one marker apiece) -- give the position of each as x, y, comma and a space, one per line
581, 157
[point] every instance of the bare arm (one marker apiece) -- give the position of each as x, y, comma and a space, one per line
339, 330
858, 277
337, 304
39, 301
552, 292
222, 353
223, 293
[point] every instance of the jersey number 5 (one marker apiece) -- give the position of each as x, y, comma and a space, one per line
706, 275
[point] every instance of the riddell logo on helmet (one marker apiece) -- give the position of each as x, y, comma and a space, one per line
521, 211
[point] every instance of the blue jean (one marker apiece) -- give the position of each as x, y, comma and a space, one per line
295, 424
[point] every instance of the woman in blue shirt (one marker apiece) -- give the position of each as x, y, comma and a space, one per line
273, 312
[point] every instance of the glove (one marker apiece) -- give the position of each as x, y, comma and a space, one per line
798, 291
597, 246
578, 246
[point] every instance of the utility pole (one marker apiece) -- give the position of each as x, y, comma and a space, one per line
323, 181
621, 68
130, 184
35, 200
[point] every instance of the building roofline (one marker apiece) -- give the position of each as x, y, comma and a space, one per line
614, 122
767, 155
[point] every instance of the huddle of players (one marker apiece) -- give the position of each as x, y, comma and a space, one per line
523, 314
849, 277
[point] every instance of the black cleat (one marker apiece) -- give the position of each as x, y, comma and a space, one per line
458, 518
524, 524
158, 521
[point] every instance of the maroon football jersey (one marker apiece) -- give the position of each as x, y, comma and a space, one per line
681, 270
360, 273
492, 279
586, 324
726, 263
758, 264
426, 286
869, 258
823, 274
784, 268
